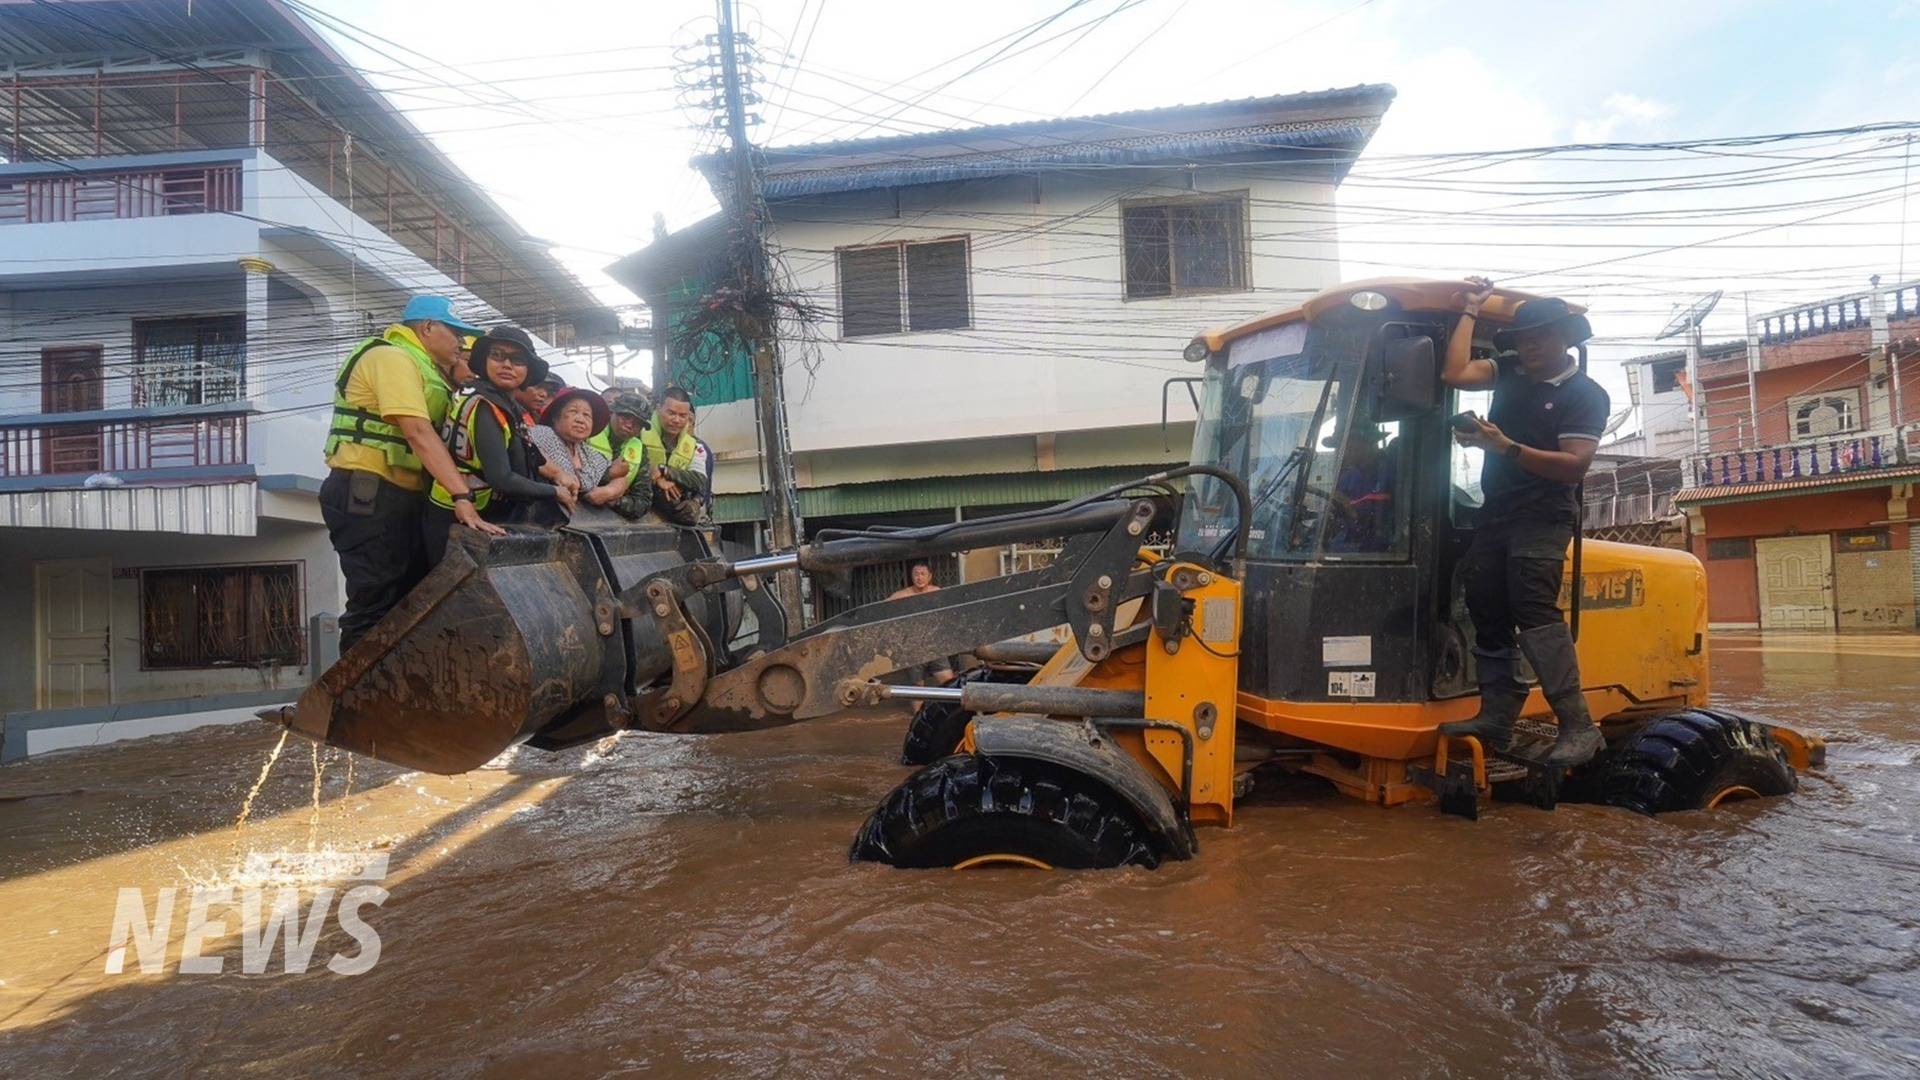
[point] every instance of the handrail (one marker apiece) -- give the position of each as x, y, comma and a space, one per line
153, 412
72, 447
120, 194
1853, 452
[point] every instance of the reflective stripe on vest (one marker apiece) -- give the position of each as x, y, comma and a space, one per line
457, 433
354, 424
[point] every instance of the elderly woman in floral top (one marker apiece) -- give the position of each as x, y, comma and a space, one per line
569, 420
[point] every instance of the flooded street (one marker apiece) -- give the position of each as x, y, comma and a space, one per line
685, 906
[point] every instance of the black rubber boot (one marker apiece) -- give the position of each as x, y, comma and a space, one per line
1550, 650
1501, 695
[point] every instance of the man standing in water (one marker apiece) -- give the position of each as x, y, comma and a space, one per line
939, 671
1539, 437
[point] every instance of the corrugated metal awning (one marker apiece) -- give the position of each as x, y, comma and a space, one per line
936, 493
223, 509
1730, 493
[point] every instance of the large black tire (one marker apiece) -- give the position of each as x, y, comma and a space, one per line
936, 727
969, 809
1691, 760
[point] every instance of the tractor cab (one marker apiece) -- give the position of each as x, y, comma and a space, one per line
1334, 415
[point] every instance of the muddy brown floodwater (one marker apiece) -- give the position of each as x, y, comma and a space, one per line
684, 906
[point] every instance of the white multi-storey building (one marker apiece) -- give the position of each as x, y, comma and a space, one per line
192, 234
1004, 305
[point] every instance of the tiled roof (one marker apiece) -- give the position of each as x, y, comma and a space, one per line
1720, 493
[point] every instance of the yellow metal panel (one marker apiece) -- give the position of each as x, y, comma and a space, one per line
1643, 621
1196, 687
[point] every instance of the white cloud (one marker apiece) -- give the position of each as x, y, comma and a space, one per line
1620, 114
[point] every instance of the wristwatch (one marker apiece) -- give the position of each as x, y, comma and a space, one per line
465, 496
1513, 451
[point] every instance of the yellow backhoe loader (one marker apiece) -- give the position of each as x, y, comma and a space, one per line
1309, 618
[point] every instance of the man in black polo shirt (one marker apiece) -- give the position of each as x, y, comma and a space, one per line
1542, 429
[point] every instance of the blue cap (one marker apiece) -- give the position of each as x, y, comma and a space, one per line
438, 309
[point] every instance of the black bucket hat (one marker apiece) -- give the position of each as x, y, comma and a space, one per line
578, 393
1547, 311
512, 335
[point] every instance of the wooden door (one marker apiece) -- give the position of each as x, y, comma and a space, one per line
75, 631
1796, 582
70, 382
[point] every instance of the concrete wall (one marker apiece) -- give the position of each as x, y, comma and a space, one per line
1776, 387
100, 315
1872, 590
1054, 346
1828, 362
279, 541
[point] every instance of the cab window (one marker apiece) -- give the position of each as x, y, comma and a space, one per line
1463, 472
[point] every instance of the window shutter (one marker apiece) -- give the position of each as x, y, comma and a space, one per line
937, 286
869, 291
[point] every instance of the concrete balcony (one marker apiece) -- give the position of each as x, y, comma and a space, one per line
1857, 454
76, 194
175, 470
130, 444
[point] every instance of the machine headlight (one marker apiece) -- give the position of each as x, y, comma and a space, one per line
1196, 351
1368, 300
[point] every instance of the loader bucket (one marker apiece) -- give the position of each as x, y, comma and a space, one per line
499, 644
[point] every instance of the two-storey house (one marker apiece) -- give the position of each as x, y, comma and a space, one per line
1004, 305
1801, 498
199, 215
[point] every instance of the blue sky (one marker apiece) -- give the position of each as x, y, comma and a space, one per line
593, 143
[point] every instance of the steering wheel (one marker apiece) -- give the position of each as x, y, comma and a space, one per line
1334, 501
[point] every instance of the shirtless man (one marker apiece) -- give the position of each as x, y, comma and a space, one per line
938, 671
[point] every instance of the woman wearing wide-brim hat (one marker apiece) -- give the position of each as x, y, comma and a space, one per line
486, 436
574, 416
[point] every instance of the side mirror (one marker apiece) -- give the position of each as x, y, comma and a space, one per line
1189, 382
1409, 378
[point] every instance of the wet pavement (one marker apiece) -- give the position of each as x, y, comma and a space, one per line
684, 906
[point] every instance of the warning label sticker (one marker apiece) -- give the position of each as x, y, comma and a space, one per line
1355, 651
1357, 684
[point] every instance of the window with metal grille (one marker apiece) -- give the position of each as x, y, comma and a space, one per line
214, 616
888, 288
192, 361
1178, 247
1833, 413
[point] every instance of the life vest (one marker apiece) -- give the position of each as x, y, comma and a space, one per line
351, 423
652, 441
457, 431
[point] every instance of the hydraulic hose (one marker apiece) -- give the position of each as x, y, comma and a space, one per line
1240, 495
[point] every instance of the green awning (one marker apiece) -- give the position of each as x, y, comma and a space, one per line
936, 493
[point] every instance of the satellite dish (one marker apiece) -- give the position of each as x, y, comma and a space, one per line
1691, 317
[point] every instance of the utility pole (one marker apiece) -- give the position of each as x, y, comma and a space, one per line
770, 407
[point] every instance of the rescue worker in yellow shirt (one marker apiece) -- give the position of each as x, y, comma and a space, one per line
390, 397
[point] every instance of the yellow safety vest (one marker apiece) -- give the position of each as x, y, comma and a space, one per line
652, 441
353, 424
457, 433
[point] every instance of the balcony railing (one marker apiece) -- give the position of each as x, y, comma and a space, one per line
1838, 313
1841, 454
105, 196
81, 444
